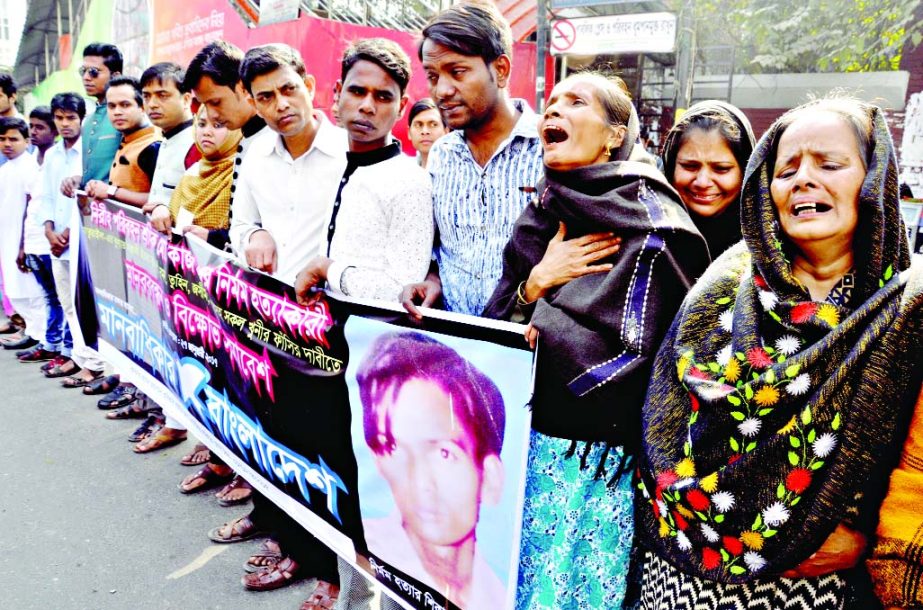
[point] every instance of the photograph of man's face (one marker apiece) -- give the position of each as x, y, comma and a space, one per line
438, 474
440, 433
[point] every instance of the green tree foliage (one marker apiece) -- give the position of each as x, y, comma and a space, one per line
775, 36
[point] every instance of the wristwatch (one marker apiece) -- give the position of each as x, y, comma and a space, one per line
111, 190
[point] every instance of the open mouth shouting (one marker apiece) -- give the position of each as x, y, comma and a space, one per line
810, 208
553, 134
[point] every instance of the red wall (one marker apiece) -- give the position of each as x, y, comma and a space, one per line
179, 33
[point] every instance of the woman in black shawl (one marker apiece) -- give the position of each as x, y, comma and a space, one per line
601, 317
782, 389
704, 157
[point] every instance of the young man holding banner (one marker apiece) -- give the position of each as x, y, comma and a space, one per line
485, 170
380, 229
283, 194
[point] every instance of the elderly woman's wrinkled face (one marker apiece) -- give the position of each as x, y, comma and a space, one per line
817, 178
574, 129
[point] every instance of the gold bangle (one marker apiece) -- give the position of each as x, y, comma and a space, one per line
521, 295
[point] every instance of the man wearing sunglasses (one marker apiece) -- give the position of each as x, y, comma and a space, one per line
101, 61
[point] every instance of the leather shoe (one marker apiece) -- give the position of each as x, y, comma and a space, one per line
284, 573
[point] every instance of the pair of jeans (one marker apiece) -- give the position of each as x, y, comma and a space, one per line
57, 333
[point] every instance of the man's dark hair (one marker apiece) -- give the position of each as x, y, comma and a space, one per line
112, 57
474, 29
422, 106
131, 81
43, 114
396, 358
69, 102
269, 58
8, 84
220, 61
10, 122
386, 54
164, 72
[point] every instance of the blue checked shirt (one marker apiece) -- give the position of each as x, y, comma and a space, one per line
476, 207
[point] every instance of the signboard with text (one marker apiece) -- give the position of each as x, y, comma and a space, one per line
614, 34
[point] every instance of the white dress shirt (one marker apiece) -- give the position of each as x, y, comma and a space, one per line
289, 198
171, 163
384, 230
60, 163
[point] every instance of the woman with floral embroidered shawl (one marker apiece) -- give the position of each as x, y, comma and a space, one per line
783, 386
601, 319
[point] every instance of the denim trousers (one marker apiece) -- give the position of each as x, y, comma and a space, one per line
57, 333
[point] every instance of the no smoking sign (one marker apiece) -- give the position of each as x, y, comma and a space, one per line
563, 35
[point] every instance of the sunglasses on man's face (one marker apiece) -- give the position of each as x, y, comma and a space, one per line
93, 72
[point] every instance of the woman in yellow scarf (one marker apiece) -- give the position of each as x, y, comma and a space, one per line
201, 202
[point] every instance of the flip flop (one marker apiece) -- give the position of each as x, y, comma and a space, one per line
237, 483
190, 460
210, 480
159, 441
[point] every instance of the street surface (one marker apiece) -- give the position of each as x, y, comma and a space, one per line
87, 524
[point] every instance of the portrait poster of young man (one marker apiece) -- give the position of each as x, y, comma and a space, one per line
439, 427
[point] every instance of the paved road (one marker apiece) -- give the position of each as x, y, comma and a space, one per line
86, 524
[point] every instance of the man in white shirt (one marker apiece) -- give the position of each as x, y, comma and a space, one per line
213, 77
380, 231
287, 184
17, 178
58, 213
284, 194
167, 103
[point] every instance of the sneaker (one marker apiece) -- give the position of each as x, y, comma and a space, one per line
58, 360
37, 354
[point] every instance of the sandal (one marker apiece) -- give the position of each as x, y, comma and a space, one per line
151, 425
284, 573
324, 597
240, 529
165, 437
135, 409
237, 483
210, 480
79, 382
59, 370
121, 396
269, 555
104, 385
200, 454
9, 328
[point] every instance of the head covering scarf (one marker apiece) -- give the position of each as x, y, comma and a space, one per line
722, 230
208, 194
600, 332
769, 415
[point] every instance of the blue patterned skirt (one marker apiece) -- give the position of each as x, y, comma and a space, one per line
577, 527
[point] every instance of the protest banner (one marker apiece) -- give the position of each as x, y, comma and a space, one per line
389, 441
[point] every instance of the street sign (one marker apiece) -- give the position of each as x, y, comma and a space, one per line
555, 4
563, 35
275, 11
615, 34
